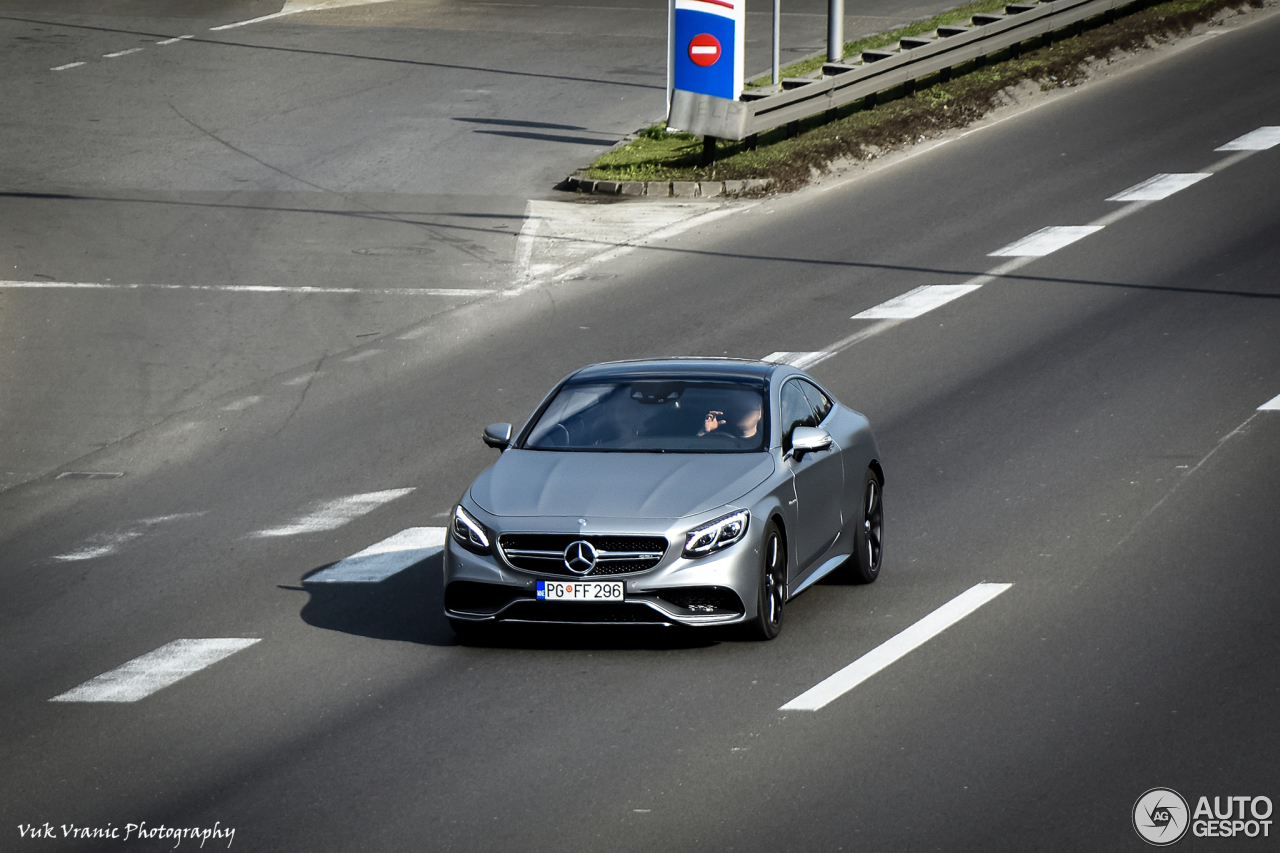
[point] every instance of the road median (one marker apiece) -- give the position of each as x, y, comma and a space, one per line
661, 163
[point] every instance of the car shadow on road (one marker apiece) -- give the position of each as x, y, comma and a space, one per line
407, 606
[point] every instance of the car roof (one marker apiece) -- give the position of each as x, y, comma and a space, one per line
687, 368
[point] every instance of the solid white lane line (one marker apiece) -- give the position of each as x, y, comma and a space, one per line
913, 303
388, 557
672, 230
878, 658
1045, 241
1160, 187
121, 53
801, 360
244, 288
1256, 140
333, 514
1272, 405
68, 65
155, 670
255, 20
293, 7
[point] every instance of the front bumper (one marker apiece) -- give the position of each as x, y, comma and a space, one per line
717, 589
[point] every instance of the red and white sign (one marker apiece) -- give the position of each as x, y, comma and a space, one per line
704, 50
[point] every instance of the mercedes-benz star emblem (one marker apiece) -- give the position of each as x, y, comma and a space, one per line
580, 557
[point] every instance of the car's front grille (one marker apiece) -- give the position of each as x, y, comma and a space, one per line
615, 554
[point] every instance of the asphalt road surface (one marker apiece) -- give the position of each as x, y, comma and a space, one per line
382, 152
1090, 419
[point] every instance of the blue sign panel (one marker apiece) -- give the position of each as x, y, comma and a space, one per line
709, 46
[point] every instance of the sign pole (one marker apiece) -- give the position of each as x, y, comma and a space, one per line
835, 30
671, 51
777, 38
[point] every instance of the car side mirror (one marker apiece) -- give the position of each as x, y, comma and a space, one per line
808, 439
497, 435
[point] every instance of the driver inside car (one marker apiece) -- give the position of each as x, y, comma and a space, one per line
739, 417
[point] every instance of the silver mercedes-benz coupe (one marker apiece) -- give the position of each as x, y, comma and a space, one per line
690, 491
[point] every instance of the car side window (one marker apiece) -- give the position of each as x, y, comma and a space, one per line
796, 411
820, 403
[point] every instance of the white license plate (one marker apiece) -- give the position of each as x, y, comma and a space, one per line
580, 590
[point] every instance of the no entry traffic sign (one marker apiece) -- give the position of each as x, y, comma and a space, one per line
704, 50
708, 42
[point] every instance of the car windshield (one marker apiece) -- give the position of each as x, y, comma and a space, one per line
653, 415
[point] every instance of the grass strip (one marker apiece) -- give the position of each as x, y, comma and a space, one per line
878, 40
901, 118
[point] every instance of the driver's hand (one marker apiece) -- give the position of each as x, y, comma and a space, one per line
713, 420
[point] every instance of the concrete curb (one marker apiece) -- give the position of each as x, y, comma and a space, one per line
667, 189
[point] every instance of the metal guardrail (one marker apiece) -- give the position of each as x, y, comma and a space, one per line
879, 70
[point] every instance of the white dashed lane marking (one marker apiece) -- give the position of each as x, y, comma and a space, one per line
154, 671
913, 303
242, 404
883, 655
333, 514
1272, 405
67, 66
1261, 139
121, 53
1046, 241
105, 544
801, 360
388, 557
1160, 187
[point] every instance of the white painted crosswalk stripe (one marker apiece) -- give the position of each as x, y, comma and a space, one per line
331, 515
883, 655
1160, 187
1046, 241
913, 303
154, 671
1261, 139
388, 557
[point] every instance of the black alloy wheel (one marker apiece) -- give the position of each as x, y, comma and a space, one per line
773, 585
869, 536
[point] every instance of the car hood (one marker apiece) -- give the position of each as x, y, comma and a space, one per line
617, 485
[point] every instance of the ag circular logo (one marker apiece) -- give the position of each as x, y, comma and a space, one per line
580, 557
1160, 816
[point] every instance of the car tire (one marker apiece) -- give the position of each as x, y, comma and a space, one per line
868, 537
773, 584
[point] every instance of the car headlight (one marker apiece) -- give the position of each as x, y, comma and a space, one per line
720, 533
469, 533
